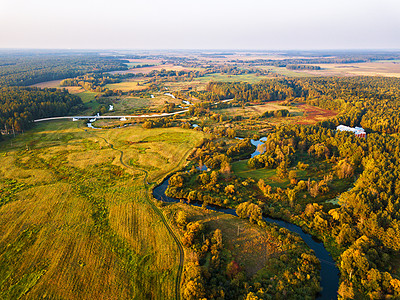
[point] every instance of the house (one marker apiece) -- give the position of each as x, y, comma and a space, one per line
358, 131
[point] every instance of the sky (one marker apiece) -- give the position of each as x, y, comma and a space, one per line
205, 24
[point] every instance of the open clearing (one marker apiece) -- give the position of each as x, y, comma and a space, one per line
126, 86
129, 105
56, 84
74, 220
301, 113
257, 110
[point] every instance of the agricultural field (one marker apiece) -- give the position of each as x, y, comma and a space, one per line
76, 221
378, 68
56, 84
128, 105
126, 86
386, 68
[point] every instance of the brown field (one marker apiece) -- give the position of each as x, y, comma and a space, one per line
389, 69
56, 84
313, 114
257, 110
125, 86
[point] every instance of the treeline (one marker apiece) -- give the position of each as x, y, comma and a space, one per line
28, 69
95, 82
268, 90
302, 67
20, 106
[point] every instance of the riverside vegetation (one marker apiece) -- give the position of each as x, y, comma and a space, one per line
78, 221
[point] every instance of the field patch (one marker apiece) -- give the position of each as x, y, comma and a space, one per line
76, 223
258, 110
126, 86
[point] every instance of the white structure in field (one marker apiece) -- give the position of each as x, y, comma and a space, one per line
358, 131
111, 107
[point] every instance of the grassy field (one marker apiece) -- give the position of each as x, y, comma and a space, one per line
127, 104
74, 219
377, 68
126, 86
87, 96
268, 175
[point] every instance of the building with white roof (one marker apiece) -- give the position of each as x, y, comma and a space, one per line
358, 131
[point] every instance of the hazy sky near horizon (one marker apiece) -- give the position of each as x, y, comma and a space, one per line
206, 24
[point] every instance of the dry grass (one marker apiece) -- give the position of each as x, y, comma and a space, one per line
257, 110
70, 230
126, 86
56, 84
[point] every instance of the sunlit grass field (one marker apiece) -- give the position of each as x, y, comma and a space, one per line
74, 219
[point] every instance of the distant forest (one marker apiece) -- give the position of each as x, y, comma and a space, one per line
24, 70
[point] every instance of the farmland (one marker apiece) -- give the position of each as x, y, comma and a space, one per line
75, 220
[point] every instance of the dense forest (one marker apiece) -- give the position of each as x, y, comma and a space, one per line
372, 102
26, 69
363, 231
20, 106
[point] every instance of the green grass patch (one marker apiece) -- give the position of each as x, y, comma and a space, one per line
87, 96
241, 169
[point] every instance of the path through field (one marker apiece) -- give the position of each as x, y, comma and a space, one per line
162, 218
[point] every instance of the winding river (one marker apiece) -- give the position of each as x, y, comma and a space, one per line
329, 271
